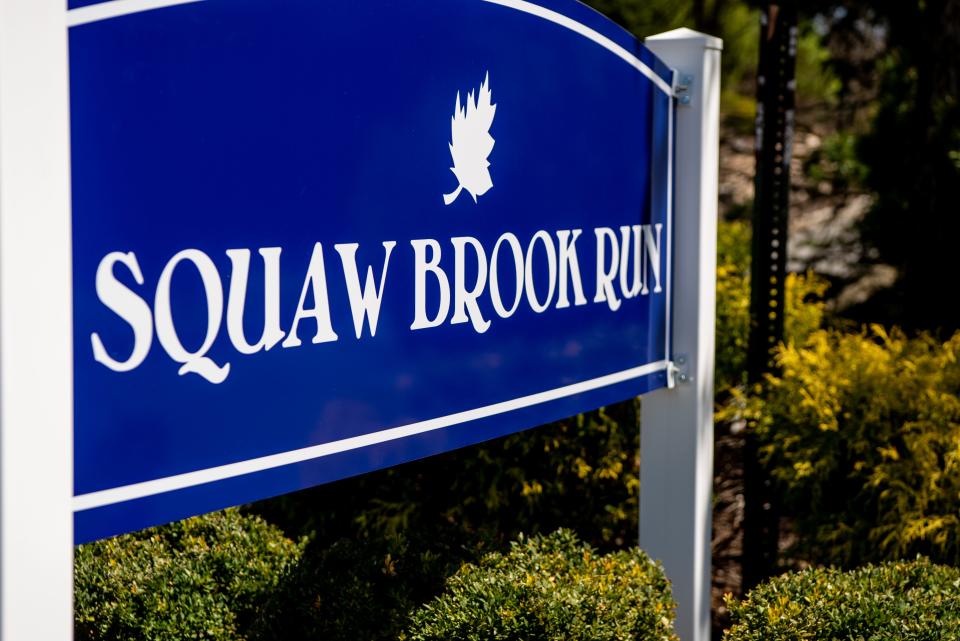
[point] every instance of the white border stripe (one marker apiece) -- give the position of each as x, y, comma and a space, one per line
668, 350
115, 8
590, 34
220, 473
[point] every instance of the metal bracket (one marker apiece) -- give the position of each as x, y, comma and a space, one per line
684, 86
678, 371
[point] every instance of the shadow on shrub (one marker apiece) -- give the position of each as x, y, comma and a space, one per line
551, 588
202, 578
915, 601
351, 591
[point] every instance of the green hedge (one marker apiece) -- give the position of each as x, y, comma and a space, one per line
915, 601
551, 588
202, 578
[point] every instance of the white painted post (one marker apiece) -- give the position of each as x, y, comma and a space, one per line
36, 443
676, 438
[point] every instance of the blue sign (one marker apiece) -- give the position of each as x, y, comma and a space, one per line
315, 239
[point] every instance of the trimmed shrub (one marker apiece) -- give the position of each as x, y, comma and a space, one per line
202, 578
863, 432
551, 588
915, 601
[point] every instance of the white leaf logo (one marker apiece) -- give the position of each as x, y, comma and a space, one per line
471, 143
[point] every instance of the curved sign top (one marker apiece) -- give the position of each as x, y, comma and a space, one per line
314, 239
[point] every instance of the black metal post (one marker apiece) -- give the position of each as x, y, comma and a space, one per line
776, 82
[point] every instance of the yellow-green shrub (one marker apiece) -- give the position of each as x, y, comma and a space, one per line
915, 601
863, 431
803, 304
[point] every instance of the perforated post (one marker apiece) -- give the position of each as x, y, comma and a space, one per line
776, 86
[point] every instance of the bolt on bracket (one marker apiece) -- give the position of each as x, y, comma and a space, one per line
683, 88
678, 371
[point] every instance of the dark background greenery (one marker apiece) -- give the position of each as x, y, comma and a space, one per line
887, 73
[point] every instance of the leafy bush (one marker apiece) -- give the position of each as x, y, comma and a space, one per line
863, 431
914, 127
803, 304
837, 162
551, 587
915, 601
354, 589
202, 578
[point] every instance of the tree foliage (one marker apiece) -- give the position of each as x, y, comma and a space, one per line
898, 64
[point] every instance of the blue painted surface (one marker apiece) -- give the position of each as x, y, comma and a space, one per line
229, 124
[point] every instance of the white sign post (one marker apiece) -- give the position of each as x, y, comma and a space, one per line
676, 438
36, 444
